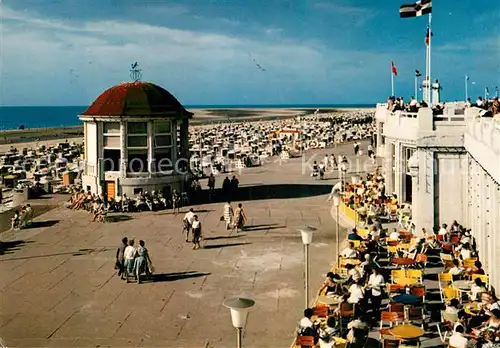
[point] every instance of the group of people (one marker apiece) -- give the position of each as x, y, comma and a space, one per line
362, 288
81, 200
133, 261
22, 217
492, 105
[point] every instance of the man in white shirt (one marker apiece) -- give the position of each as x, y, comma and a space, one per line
375, 284
458, 340
357, 293
349, 252
128, 256
394, 234
443, 231
353, 273
188, 222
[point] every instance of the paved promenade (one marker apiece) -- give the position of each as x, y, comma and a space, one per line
59, 289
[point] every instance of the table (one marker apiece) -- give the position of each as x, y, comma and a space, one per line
472, 308
462, 285
329, 300
407, 331
403, 261
407, 299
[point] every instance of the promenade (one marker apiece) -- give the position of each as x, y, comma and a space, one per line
59, 289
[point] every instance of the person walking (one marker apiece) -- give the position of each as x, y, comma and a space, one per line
226, 187
129, 256
120, 259
356, 148
228, 215
196, 233
142, 262
375, 285
187, 221
240, 217
211, 187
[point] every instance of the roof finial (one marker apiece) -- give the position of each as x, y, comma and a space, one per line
135, 72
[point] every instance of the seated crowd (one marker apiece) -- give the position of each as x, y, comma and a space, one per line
379, 280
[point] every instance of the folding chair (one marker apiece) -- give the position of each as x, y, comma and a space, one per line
415, 273
484, 278
397, 273
390, 317
447, 294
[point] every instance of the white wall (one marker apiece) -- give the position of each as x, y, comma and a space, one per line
91, 146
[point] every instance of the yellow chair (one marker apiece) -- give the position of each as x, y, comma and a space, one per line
415, 273
392, 250
363, 232
356, 243
484, 278
340, 271
448, 294
469, 263
397, 273
405, 281
340, 342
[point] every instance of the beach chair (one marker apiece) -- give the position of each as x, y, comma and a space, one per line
415, 274
484, 278
447, 294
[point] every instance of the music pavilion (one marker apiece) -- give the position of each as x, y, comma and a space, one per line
136, 137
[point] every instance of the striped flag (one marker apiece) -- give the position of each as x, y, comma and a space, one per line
417, 73
428, 36
394, 69
420, 8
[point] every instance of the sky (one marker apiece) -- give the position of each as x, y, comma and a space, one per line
208, 52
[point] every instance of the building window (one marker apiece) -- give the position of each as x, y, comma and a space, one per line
137, 135
111, 135
137, 161
111, 161
163, 146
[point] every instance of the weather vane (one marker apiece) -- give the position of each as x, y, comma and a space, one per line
135, 72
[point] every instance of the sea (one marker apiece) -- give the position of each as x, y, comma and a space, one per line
14, 117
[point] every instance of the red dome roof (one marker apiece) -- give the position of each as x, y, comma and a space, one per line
136, 99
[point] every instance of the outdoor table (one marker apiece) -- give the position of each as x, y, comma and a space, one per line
407, 331
472, 308
462, 285
329, 300
407, 299
403, 261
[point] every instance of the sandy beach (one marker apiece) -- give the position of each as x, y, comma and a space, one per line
33, 137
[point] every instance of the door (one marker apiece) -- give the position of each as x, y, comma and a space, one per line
110, 190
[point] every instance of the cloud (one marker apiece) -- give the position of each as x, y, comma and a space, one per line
49, 61
360, 15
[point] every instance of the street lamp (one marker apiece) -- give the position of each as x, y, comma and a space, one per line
239, 310
336, 202
307, 235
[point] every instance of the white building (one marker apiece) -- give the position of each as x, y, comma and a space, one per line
136, 138
448, 168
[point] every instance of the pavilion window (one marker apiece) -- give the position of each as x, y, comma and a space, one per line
163, 145
111, 135
137, 135
137, 161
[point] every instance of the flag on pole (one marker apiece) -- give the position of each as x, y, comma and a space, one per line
486, 91
420, 8
394, 69
467, 78
417, 73
428, 36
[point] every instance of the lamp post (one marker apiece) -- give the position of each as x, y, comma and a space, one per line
239, 311
336, 202
307, 234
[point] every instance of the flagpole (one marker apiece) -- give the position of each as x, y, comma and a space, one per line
430, 39
416, 86
466, 87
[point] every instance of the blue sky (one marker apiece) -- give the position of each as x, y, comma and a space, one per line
203, 51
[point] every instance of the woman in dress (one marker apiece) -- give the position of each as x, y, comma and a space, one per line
228, 215
240, 217
143, 262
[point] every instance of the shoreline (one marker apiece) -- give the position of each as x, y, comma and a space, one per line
201, 117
